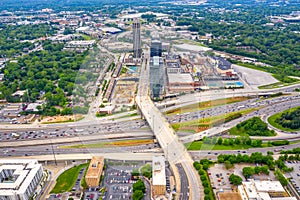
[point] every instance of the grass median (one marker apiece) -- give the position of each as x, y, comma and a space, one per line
202, 124
205, 105
199, 145
273, 118
67, 179
120, 143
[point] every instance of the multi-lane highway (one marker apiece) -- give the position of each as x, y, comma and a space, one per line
265, 111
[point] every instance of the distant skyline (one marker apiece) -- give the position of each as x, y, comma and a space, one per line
13, 5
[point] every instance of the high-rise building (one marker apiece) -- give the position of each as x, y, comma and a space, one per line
156, 48
136, 26
157, 78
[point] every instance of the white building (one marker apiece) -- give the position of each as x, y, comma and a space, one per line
159, 175
19, 178
81, 44
263, 190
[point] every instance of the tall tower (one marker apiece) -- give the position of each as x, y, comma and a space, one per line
137, 51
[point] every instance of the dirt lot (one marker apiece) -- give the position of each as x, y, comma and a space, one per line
57, 119
230, 196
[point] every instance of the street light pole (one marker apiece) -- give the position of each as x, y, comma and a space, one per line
53, 153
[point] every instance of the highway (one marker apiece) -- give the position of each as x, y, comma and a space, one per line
268, 110
63, 148
114, 156
174, 150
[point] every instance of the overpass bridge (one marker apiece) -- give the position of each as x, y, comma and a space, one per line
174, 151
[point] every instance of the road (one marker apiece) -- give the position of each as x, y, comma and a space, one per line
268, 110
184, 190
174, 150
197, 155
113, 156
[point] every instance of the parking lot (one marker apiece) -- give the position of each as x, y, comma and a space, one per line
76, 187
118, 184
219, 177
118, 180
295, 174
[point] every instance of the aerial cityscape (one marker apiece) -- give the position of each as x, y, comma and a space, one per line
150, 100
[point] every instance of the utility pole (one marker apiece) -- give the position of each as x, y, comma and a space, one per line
53, 153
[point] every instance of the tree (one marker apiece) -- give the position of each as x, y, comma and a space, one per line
265, 169
139, 185
146, 171
220, 141
201, 172
206, 197
205, 183
197, 165
203, 178
235, 179
237, 140
228, 164
206, 190
254, 127
281, 178
226, 142
138, 195
205, 166
257, 170
248, 172
135, 172
67, 111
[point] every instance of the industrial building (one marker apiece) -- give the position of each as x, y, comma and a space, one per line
19, 178
267, 190
93, 174
158, 175
137, 50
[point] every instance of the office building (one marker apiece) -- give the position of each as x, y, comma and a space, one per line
156, 48
267, 190
93, 174
137, 50
19, 178
158, 175
157, 77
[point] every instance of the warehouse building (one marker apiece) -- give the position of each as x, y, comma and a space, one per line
19, 178
94, 171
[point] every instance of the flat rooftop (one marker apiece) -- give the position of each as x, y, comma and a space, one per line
95, 167
158, 170
180, 78
17, 175
190, 47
